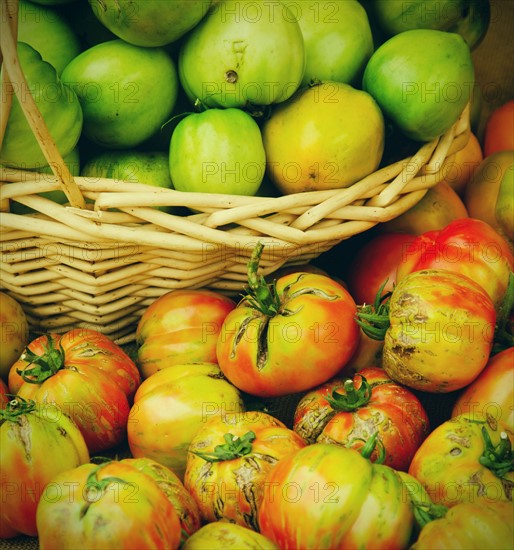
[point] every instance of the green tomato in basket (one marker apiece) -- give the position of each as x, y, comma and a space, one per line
149, 167
243, 52
469, 18
127, 92
338, 40
422, 79
48, 32
150, 22
217, 151
58, 105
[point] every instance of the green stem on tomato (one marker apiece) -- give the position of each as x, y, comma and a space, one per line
261, 295
371, 444
497, 458
234, 447
353, 398
374, 319
41, 367
16, 407
425, 512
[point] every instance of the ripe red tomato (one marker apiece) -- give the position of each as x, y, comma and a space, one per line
111, 505
330, 497
181, 326
4, 394
89, 376
468, 246
289, 336
38, 441
499, 130
438, 329
349, 411
375, 264
492, 392
228, 460
467, 458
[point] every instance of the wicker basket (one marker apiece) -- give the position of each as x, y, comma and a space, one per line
101, 260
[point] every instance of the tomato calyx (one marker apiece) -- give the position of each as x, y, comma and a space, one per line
353, 398
497, 458
42, 367
371, 444
261, 295
16, 407
234, 447
425, 512
374, 318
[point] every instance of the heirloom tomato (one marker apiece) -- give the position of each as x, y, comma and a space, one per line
466, 459
181, 326
38, 441
470, 525
4, 394
468, 246
110, 505
492, 393
173, 488
499, 130
223, 535
375, 263
438, 329
287, 336
326, 496
228, 460
171, 405
14, 333
86, 374
347, 412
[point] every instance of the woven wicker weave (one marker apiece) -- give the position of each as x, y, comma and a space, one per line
100, 261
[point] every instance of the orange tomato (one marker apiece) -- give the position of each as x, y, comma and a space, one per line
462, 165
499, 130
440, 206
492, 392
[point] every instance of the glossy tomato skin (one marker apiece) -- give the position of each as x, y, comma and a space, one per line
326, 496
94, 382
388, 409
470, 525
492, 392
441, 331
375, 264
171, 405
499, 131
448, 463
232, 489
223, 535
310, 339
182, 326
104, 506
171, 485
468, 246
36, 445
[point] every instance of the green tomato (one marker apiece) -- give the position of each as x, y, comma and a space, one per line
338, 40
48, 32
422, 79
58, 105
469, 18
149, 22
243, 52
116, 85
149, 167
217, 151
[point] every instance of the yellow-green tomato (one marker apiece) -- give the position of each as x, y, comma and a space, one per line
171, 405
217, 151
223, 535
14, 333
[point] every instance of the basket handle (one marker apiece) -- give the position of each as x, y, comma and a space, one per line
12, 73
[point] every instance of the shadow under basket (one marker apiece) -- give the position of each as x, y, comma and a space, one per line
100, 260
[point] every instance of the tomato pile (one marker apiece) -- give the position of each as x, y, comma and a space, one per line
305, 411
